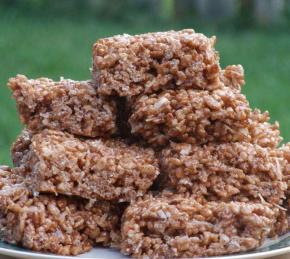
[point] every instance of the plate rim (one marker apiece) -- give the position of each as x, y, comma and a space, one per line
39, 255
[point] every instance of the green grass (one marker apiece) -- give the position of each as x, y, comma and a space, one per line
55, 47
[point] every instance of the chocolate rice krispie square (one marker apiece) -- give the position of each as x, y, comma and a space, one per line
225, 172
126, 65
177, 226
56, 224
191, 116
199, 117
108, 169
72, 106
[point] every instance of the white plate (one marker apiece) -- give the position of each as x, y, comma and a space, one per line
271, 248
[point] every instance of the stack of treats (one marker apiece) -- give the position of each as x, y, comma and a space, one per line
159, 156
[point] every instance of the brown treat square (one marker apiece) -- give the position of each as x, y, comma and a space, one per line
176, 226
66, 105
56, 224
126, 65
226, 172
110, 169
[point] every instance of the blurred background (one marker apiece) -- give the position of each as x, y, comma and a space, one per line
53, 38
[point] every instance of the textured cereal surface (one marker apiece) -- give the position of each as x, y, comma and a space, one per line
282, 225
65, 105
191, 116
176, 226
225, 172
95, 169
233, 76
286, 153
60, 225
199, 117
126, 65
262, 131
20, 148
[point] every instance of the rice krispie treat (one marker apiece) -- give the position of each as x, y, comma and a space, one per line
60, 225
65, 105
126, 65
191, 116
224, 172
176, 226
198, 117
95, 169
